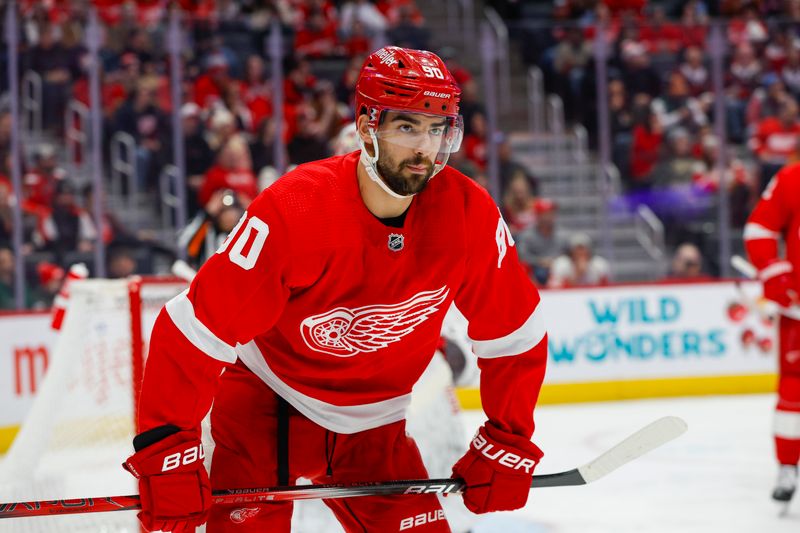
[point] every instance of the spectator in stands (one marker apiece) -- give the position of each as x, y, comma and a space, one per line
346, 87
790, 73
687, 263
39, 184
58, 67
357, 42
775, 140
366, 13
474, 144
645, 151
659, 35
50, 277
262, 150
541, 243
7, 269
5, 135
6, 213
741, 180
221, 128
518, 204
694, 23
312, 140
233, 170
209, 227
510, 168
317, 37
121, 262
256, 90
408, 33
677, 108
141, 117
198, 154
766, 100
747, 27
67, 227
471, 104
579, 267
623, 118
210, 86
570, 60
694, 71
744, 74
299, 81
638, 73
679, 166
777, 48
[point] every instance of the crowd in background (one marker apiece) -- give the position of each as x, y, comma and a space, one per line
659, 95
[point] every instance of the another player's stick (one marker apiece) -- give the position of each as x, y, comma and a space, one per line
648, 438
747, 269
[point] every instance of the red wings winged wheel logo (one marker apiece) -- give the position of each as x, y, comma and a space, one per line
346, 332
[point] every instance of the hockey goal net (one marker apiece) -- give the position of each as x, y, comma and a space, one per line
80, 425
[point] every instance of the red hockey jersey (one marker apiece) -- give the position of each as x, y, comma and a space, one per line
776, 215
340, 314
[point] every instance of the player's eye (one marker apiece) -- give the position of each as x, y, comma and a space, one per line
438, 131
406, 128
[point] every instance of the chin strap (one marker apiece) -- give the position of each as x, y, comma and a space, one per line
370, 165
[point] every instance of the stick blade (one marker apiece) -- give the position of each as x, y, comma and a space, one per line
648, 438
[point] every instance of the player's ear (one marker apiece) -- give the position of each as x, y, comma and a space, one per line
362, 127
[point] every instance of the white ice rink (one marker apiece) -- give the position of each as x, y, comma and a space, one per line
717, 477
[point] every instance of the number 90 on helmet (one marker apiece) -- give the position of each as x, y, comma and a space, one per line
401, 80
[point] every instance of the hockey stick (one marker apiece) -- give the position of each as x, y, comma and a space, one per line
648, 438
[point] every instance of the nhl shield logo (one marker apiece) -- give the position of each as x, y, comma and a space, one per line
395, 242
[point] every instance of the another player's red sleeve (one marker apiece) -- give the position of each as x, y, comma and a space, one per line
506, 325
239, 293
770, 217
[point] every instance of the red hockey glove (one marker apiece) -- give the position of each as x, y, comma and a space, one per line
497, 470
173, 484
779, 283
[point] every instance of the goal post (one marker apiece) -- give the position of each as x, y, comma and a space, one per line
81, 423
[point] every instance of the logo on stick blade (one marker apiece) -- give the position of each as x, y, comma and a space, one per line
346, 332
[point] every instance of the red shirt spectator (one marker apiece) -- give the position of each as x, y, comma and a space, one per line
233, 170
646, 148
776, 139
317, 38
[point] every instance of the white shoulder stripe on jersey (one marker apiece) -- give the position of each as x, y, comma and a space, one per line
346, 419
786, 425
520, 341
181, 312
753, 231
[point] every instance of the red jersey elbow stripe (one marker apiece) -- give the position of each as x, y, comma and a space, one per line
181, 312
517, 342
753, 231
339, 418
786, 425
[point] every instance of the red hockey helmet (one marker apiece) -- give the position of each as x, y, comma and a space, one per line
405, 80
411, 81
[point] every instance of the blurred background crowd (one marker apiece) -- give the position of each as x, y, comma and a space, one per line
622, 173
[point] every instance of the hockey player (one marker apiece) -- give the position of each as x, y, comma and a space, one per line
777, 216
323, 307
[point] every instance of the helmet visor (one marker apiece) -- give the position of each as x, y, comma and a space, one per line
434, 135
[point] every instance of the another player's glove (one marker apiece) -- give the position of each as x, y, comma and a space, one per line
173, 484
497, 470
779, 283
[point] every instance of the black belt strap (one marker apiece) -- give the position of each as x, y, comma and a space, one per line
283, 442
